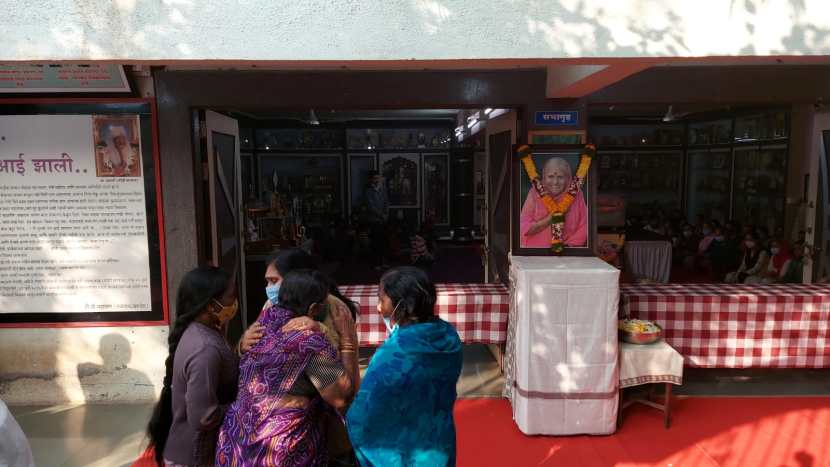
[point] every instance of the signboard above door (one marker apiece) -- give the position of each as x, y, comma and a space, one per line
53, 78
557, 118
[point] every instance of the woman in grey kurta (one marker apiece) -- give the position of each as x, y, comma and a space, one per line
201, 373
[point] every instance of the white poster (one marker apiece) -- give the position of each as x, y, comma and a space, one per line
37, 78
73, 226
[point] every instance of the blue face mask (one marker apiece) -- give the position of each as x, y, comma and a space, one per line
273, 291
387, 320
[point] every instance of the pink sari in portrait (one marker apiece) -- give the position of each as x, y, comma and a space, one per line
575, 232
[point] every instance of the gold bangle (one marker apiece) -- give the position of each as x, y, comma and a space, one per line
348, 351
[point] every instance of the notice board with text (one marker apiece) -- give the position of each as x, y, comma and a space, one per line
81, 240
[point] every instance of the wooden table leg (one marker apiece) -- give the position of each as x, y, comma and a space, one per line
619, 407
502, 353
667, 404
498, 351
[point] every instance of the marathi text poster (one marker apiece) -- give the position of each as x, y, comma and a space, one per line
38, 78
73, 223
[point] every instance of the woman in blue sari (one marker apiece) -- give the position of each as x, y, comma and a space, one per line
403, 413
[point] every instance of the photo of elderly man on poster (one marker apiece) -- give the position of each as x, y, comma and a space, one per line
117, 146
535, 219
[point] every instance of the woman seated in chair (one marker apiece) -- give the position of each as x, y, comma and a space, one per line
779, 263
753, 263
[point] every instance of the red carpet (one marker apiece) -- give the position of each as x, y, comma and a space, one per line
757, 432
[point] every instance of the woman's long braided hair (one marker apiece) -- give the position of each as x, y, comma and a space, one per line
197, 289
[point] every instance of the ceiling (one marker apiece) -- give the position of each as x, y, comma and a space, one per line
339, 116
719, 85
652, 110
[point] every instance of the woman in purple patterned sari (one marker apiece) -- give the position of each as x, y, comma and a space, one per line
287, 382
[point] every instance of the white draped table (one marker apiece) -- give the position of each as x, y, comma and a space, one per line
650, 364
649, 259
561, 368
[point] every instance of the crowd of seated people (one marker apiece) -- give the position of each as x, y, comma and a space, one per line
725, 251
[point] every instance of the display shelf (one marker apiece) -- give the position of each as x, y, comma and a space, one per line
645, 147
303, 187
710, 147
729, 166
398, 139
762, 126
639, 177
298, 138
638, 135
755, 142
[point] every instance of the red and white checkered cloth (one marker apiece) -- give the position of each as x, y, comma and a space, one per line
477, 311
739, 325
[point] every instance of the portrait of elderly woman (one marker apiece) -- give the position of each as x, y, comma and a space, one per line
117, 148
556, 173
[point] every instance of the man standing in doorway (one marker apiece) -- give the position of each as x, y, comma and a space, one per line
377, 205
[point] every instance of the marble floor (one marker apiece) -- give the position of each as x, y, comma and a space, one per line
113, 435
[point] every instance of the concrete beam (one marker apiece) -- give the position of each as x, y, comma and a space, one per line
576, 81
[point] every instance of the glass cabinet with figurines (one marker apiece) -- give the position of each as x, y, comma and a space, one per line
765, 126
398, 138
646, 180
304, 176
760, 182
306, 188
709, 184
732, 166
646, 135
742, 177
299, 138
712, 132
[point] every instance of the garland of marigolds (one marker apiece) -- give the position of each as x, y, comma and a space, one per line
557, 209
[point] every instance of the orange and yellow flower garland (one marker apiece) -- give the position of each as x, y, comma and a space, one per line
557, 209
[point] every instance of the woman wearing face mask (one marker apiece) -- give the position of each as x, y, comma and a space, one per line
286, 261
403, 413
777, 266
795, 271
708, 234
686, 250
278, 417
719, 254
754, 261
289, 260
201, 372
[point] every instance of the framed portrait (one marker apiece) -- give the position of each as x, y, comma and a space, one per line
531, 228
556, 136
436, 170
117, 145
400, 172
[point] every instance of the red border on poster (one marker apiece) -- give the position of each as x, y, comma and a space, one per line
159, 208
